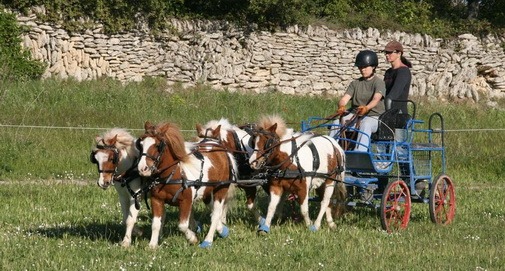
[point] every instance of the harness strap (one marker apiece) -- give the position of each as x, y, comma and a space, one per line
315, 155
300, 173
244, 169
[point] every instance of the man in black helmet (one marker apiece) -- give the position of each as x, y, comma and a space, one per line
365, 95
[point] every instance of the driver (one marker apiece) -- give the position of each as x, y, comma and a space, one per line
366, 96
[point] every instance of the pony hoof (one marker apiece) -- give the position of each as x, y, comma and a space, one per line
198, 228
332, 225
153, 246
125, 244
262, 221
137, 232
313, 228
205, 244
264, 228
224, 233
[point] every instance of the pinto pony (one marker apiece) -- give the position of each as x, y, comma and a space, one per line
115, 156
238, 141
182, 173
298, 163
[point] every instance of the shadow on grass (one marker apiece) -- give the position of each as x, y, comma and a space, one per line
108, 231
112, 232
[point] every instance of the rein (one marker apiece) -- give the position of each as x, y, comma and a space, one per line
276, 171
354, 120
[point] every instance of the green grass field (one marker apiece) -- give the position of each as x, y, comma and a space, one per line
55, 217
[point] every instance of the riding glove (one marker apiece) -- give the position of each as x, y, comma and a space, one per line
362, 110
341, 110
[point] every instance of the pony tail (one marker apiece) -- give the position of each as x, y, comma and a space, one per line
406, 61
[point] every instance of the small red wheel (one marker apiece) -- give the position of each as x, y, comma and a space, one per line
442, 200
395, 206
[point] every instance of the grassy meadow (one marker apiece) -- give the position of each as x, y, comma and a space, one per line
55, 217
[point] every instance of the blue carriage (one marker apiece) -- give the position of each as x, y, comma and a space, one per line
398, 167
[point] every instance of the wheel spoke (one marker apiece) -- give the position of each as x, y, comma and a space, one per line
395, 206
442, 200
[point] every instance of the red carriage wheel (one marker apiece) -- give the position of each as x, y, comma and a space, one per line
395, 206
442, 200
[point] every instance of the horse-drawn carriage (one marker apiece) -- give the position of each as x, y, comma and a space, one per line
395, 171
398, 167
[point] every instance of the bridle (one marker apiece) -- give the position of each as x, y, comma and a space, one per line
272, 142
156, 159
115, 158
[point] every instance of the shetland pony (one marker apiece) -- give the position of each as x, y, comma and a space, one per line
182, 173
298, 163
236, 140
115, 156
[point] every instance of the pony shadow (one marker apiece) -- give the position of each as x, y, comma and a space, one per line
110, 231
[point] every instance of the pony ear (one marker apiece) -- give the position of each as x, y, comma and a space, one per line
149, 127
272, 128
216, 133
97, 139
199, 130
113, 140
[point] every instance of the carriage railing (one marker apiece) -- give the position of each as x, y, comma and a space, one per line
429, 142
379, 157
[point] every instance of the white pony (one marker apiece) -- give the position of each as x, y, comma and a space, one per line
298, 163
115, 156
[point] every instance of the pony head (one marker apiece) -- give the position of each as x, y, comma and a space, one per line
270, 129
162, 140
215, 129
114, 153
266, 122
209, 133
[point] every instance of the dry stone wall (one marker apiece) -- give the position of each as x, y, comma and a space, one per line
308, 61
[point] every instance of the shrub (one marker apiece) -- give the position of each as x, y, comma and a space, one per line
16, 63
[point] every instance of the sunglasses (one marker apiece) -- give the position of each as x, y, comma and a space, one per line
389, 52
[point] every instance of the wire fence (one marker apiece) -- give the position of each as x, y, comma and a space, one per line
187, 131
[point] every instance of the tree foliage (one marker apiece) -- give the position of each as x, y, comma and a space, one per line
435, 17
15, 63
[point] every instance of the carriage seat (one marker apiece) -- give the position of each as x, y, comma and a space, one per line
389, 121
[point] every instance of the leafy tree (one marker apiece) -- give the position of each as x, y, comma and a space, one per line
493, 11
434, 17
15, 63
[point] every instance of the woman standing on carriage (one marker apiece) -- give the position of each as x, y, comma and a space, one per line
366, 97
398, 77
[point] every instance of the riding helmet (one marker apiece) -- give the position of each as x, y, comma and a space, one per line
366, 58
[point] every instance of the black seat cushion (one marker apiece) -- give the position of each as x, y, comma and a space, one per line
389, 121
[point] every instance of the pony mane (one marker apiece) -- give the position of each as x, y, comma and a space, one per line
124, 140
225, 126
266, 121
172, 135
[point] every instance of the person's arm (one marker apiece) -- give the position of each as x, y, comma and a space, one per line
345, 99
375, 100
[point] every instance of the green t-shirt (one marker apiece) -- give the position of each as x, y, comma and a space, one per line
362, 92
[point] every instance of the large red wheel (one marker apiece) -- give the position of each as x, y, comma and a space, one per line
442, 200
395, 206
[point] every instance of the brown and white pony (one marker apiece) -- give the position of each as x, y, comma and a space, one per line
115, 155
182, 173
297, 163
238, 141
